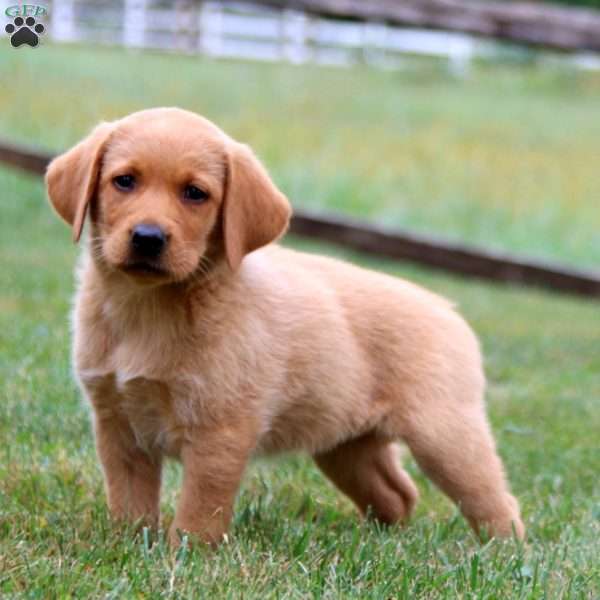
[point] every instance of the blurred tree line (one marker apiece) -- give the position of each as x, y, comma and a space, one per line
575, 3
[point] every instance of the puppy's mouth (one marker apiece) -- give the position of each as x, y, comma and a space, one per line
144, 268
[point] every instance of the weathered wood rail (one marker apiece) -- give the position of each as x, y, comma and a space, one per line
452, 257
420, 249
529, 23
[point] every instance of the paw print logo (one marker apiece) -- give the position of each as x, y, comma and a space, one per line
24, 31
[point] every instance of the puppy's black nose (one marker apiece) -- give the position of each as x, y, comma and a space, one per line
148, 240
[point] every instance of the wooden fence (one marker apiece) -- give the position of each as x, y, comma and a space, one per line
538, 24
419, 249
381, 33
255, 31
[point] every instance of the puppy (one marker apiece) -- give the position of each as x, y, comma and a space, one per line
197, 338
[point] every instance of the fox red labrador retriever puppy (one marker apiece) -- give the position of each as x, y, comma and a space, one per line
198, 338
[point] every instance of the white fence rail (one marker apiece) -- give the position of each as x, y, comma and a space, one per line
241, 30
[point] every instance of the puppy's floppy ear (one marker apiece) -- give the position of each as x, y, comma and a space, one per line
255, 212
72, 177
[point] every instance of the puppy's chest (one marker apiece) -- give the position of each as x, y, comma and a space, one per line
150, 408
156, 412
150, 369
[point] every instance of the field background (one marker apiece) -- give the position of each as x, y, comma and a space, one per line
507, 158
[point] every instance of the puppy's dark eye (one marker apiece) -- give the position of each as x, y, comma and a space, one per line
125, 183
194, 194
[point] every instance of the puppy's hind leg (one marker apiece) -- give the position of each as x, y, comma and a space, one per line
455, 448
367, 470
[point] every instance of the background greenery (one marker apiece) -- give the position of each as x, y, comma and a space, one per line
507, 157
576, 3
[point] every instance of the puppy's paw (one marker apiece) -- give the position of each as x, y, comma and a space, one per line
180, 536
177, 537
135, 520
503, 522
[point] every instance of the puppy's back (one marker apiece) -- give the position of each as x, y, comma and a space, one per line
403, 330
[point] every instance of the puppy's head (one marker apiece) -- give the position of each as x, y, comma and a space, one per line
161, 186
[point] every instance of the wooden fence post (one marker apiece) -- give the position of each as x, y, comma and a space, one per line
373, 50
134, 23
461, 53
62, 22
210, 40
294, 29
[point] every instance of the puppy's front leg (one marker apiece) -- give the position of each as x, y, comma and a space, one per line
131, 476
213, 460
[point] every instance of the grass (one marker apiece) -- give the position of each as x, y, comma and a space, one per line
294, 536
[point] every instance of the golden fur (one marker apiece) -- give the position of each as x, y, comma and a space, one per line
238, 346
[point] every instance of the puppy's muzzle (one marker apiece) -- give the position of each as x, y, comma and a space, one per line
148, 241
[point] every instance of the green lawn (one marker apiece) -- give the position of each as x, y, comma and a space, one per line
505, 158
